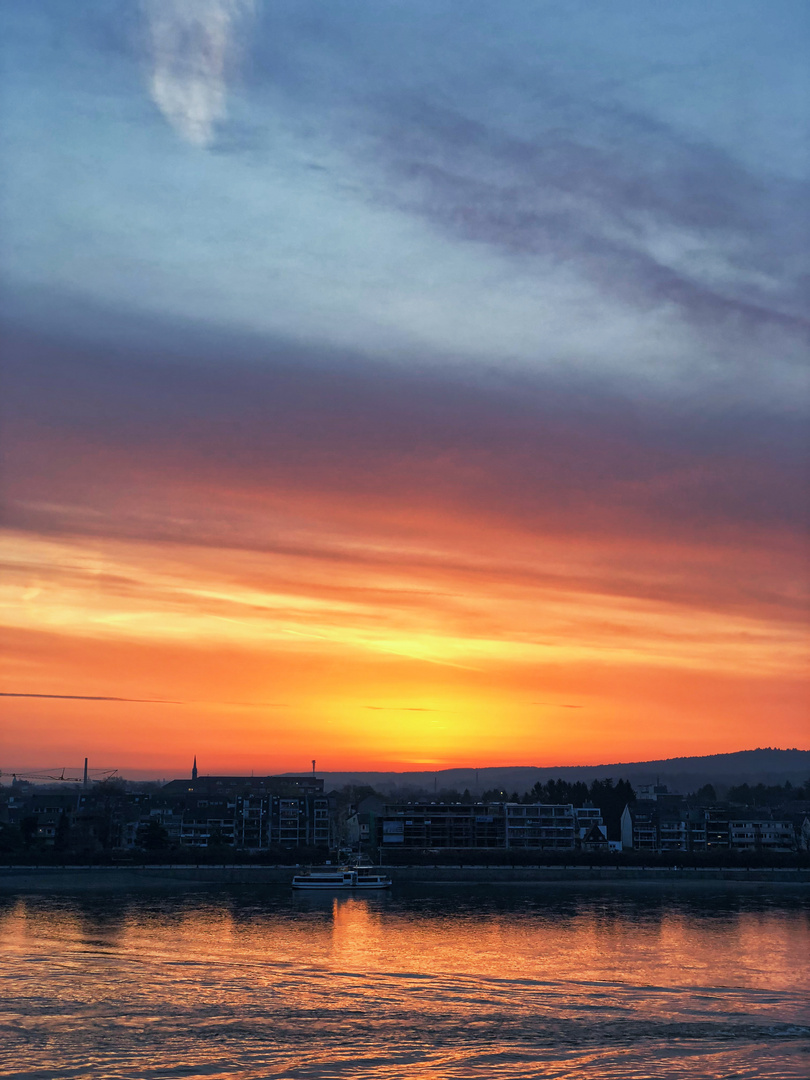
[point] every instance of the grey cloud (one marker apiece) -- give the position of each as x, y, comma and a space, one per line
549, 453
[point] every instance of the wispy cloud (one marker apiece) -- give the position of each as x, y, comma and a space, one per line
649, 216
192, 49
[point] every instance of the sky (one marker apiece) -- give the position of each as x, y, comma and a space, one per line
402, 384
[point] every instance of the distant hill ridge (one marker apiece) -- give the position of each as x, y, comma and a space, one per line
683, 774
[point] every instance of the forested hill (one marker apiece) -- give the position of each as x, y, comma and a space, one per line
684, 774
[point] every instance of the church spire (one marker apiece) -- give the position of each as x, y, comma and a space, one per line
194, 769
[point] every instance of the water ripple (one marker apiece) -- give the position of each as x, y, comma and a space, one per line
259, 987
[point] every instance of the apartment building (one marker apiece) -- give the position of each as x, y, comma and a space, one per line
753, 832
648, 827
514, 826
442, 825
640, 826
540, 826
299, 821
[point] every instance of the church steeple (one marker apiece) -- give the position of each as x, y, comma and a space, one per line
194, 769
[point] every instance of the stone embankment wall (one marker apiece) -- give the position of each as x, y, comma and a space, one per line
23, 878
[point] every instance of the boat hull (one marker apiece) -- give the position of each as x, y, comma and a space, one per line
347, 880
338, 886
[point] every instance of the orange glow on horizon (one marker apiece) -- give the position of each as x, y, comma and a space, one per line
434, 661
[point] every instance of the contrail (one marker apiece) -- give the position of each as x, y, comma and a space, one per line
557, 705
398, 708
153, 701
88, 697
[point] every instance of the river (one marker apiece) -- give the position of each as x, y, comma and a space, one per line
441, 982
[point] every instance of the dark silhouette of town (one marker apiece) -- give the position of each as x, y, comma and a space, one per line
290, 819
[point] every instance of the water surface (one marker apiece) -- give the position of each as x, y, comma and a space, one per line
454, 982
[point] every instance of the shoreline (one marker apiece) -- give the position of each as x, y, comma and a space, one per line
70, 878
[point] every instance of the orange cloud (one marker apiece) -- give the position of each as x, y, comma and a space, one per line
376, 663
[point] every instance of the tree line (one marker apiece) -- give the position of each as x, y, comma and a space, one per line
768, 794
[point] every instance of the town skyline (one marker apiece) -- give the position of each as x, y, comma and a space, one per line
755, 765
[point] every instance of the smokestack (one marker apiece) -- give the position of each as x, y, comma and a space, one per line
85, 772
313, 766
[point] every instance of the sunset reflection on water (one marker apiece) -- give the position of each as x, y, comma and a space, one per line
444, 984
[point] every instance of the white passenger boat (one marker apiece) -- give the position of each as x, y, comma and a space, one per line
361, 875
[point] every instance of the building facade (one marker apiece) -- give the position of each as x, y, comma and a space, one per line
647, 826
440, 826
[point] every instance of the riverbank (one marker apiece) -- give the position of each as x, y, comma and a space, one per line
70, 878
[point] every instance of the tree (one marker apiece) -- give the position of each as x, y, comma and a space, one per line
352, 794
495, 795
28, 830
61, 841
152, 836
706, 793
611, 799
11, 839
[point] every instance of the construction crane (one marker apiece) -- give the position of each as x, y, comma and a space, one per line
54, 774
45, 775
109, 774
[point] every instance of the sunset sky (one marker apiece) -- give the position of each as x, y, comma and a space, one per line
402, 384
